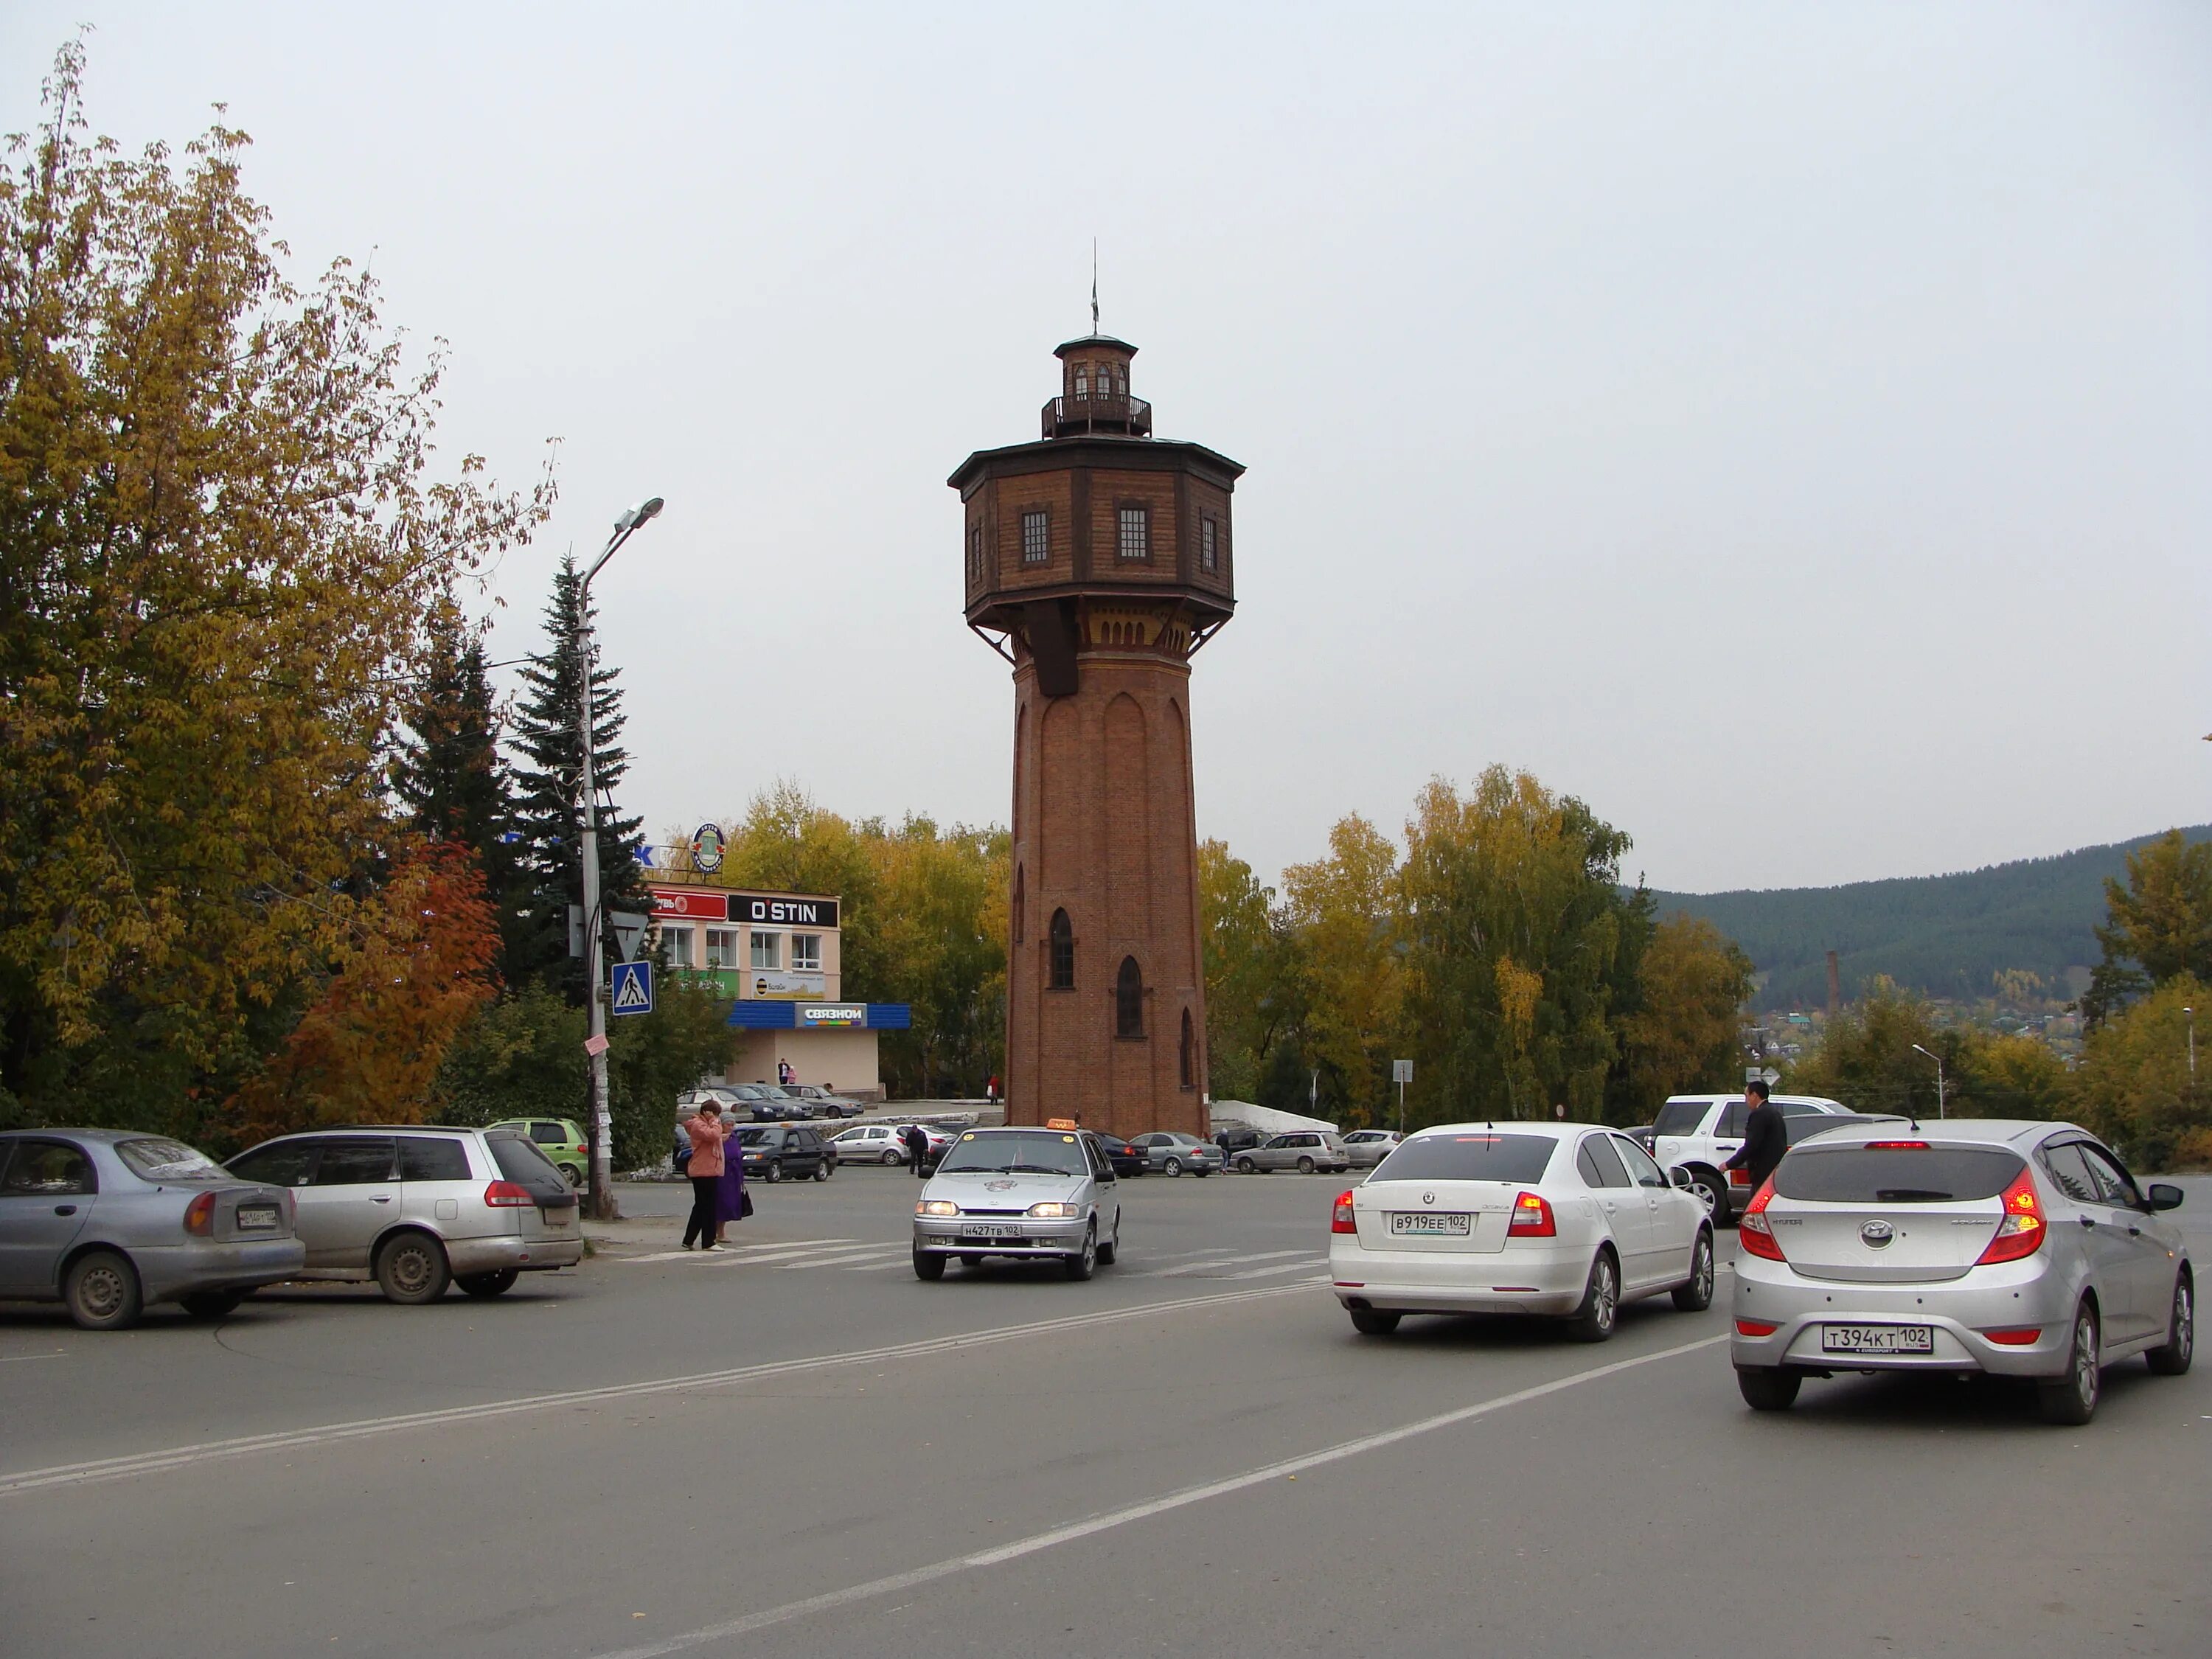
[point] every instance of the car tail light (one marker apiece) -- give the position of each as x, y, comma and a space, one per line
507, 1195
1897, 1145
2017, 1336
1755, 1233
2021, 1233
1755, 1328
199, 1216
1739, 1178
1532, 1218
1340, 1218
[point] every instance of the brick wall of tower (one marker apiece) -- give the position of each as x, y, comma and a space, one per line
1103, 829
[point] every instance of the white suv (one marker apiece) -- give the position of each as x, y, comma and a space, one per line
1701, 1132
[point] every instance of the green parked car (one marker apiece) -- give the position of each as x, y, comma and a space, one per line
560, 1139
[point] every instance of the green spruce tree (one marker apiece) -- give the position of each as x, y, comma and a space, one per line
548, 798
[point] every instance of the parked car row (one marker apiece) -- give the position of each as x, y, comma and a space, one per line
1998, 1247
108, 1222
770, 1103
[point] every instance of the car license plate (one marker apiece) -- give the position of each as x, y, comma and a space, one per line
1878, 1339
257, 1218
555, 1217
990, 1230
1438, 1225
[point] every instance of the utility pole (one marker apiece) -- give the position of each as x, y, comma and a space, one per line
1938, 1058
600, 1203
2192, 1013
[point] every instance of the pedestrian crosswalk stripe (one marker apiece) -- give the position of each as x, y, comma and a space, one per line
1224, 1261
838, 1259
1281, 1268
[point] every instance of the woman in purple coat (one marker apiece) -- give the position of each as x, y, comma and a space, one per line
730, 1197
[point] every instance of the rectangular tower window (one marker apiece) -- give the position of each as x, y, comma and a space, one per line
1136, 532
1037, 537
764, 950
1209, 555
975, 553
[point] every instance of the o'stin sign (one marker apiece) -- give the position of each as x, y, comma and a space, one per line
707, 847
827, 1014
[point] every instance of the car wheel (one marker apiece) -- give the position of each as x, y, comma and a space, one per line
102, 1291
1695, 1294
498, 1282
1173, 1166
210, 1304
822, 1170
573, 1174
411, 1268
2172, 1357
1111, 1251
1305, 1166
1768, 1388
1709, 1190
1593, 1321
888, 1160
928, 1265
1373, 1321
2071, 1398
1085, 1262
1245, 1166
774, 1170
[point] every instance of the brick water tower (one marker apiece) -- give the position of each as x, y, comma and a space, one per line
1098, 561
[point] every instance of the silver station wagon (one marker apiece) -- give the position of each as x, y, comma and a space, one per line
2014, 1248
107, 1221
417, 1207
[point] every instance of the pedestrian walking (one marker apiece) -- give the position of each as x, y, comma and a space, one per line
784, 1074
991, 1089
917, 1148
708, 1132
1765, 1137
732, 1202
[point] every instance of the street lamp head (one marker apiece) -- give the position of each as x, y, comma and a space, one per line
633, 516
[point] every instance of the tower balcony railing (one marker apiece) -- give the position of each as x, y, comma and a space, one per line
1064, 416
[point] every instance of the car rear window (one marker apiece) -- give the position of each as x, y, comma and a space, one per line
168, 1160
1679, 1117
521, 1162
1470, 1157
1899, 1175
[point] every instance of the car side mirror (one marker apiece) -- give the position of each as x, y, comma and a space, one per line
2165, 1195
1679, 1176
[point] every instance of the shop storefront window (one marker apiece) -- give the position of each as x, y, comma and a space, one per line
764, 950
806, 952
722, 947
676, 944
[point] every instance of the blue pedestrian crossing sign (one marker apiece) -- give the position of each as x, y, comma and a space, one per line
633, 987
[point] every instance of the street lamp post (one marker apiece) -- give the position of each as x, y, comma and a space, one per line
1938, 1058
2191, 1012
601, 1199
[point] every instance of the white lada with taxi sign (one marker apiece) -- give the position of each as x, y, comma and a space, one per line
1564, 1219
1045, 1192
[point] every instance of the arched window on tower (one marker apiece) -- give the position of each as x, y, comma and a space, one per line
1189, 1051
1129, 1000
1021, 897
1061, 969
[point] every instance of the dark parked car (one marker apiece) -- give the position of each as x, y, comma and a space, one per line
780, 1151
1233, 1141
1126, 1156
826, 1104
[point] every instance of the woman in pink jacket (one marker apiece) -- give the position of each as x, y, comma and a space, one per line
708, 1132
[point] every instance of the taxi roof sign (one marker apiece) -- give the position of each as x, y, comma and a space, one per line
1062, 1123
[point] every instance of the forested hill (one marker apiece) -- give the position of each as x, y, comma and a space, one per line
1945, 935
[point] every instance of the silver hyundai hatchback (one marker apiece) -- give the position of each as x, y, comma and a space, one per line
417, 1207
2012, 1249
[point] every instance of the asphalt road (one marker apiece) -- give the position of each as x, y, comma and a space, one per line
796, 1449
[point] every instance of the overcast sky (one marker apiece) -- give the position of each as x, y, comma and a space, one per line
1788, 427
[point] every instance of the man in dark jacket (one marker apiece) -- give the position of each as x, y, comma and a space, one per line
917, 1148
1765, 1137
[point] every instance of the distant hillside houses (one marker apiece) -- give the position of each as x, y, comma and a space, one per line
2033, 921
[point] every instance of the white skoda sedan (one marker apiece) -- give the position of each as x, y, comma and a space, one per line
1564, 1219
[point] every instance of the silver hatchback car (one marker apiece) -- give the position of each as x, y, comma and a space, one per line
2014, 1249
108, 1220
417, 1207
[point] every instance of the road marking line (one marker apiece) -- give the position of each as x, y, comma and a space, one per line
1145, 1511
176, 1457
1224, 1261
17, 1358
747, 1251
1307, 1266
834, 1260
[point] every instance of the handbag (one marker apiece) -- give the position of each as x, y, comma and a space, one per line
744, 1203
